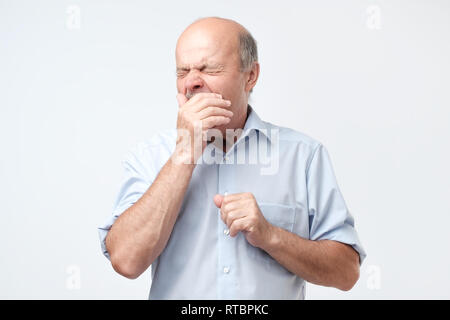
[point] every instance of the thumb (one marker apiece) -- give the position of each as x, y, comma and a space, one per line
181, 98
218, 200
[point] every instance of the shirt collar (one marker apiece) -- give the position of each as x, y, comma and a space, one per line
254, 122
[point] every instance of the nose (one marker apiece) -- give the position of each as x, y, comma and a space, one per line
194, 84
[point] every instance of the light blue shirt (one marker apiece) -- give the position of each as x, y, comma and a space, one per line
201, 261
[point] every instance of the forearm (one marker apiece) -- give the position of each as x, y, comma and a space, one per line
140, 234
324, 262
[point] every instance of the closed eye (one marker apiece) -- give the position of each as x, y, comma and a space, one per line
208, 69
182, 73
212, 71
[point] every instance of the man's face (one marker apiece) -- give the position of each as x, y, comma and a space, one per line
208, 61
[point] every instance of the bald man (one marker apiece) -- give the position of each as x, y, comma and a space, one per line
223, 229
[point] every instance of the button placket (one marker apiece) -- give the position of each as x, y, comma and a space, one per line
226, 249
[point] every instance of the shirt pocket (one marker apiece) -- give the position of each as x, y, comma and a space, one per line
279, 215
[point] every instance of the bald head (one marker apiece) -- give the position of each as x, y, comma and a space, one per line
235, 35
216, 24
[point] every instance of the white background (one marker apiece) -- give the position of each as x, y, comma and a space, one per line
369, 79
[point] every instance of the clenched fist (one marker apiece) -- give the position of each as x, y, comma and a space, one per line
240, 212
195, 116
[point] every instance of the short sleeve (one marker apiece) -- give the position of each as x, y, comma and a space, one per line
329, 217
139, 173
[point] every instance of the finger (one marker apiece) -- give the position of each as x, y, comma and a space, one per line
197, 106
237, 226
228, 206
214, 111
218, 200
240, 199
238, 196
181, 98
213, 121
233, 215
204, 95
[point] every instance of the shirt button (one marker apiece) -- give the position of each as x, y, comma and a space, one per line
226, 231
226, 270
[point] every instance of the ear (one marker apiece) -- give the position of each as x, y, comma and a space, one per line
252, 77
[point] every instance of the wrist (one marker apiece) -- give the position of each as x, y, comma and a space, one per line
182, 159
272, 240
